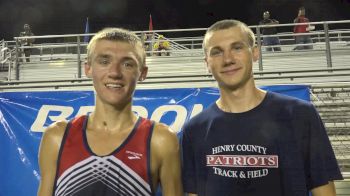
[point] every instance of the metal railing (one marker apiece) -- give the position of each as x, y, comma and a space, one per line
330, 55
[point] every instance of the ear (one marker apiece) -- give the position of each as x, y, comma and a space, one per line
256, 53
88, 69
206, 62
143, 75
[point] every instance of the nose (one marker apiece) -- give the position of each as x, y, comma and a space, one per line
115, 71
229, 57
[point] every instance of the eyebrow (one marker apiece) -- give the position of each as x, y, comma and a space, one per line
232, 44
138, 59
99, 56
238, 43
126, 58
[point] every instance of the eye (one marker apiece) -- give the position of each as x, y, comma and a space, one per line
238, 47
215, 52
129, 64
103, 61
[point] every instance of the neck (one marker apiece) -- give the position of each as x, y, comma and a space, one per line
111, 119
240, 100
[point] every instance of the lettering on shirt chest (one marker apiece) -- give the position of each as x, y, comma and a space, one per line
241, 161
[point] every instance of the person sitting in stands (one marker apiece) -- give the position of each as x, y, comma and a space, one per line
161, 47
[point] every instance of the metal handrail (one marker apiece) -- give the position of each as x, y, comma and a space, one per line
190, 45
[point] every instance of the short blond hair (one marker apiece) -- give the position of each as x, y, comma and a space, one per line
226, 24
116, 34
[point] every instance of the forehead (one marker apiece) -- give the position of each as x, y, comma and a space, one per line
119, 48
226, 36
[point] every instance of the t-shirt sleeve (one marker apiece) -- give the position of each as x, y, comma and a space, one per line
322, 163
188, 162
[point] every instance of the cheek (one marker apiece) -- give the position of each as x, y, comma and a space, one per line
212, 64
132, 75
97, 73
136, 77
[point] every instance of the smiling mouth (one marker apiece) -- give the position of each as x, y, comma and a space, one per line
230, 71
114, 86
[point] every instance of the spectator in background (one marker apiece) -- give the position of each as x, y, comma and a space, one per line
161, 47
302, 28
270, 41
147, 42
25, 42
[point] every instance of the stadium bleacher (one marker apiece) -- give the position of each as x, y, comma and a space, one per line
326, 68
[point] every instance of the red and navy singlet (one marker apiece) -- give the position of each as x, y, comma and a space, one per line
126, 171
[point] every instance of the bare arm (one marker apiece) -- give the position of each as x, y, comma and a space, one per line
325, 190
48, 153
166, 147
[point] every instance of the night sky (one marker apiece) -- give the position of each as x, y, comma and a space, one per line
48, 17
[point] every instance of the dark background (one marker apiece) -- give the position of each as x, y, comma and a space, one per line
50, 17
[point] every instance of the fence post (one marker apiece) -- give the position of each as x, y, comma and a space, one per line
78, 56
17, 60
41, 52
328, 46
10, 62
258, 38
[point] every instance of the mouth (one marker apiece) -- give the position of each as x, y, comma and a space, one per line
230, 71
113, 86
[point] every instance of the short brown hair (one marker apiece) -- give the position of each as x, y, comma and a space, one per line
226, 24
116, 34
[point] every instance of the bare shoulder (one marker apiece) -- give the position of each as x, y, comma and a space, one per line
56, 129
54, 133
163, 132
163, 137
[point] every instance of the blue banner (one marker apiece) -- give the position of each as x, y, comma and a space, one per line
25, 115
